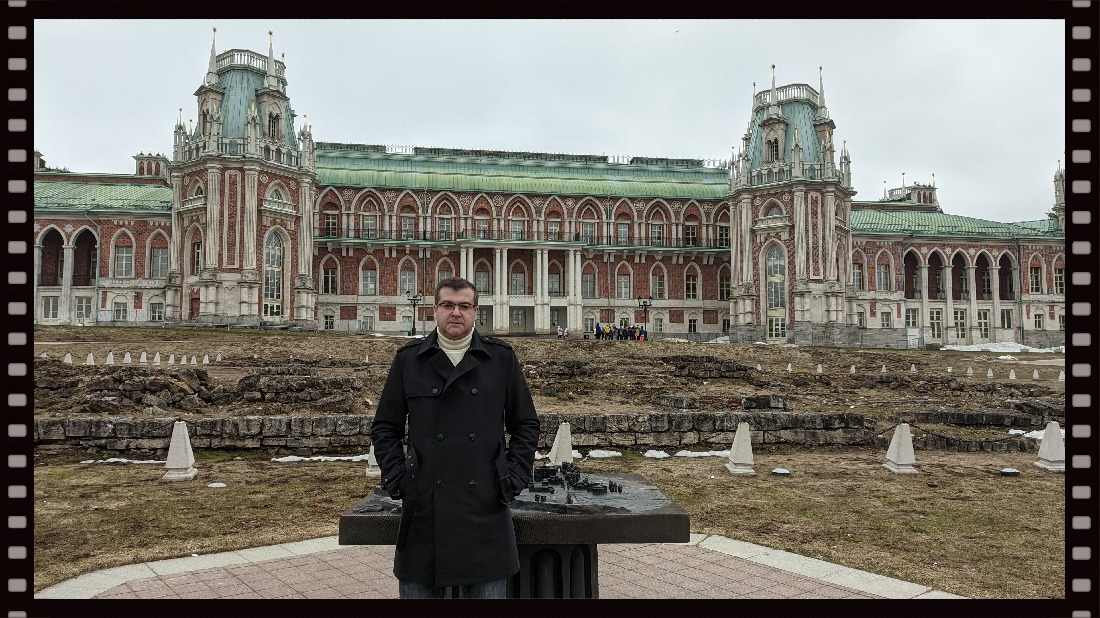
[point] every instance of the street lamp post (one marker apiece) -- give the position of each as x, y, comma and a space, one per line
415, 299
645, 304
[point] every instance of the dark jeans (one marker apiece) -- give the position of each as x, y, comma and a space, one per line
488, 590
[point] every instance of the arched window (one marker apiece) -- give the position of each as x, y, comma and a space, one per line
771, 150
198, 190
774, 212
273, 276
276, 195
776, 274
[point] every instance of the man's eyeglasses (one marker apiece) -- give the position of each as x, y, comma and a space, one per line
449, 306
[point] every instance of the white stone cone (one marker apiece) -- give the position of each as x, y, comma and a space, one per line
90, 360
143, 359
68, 360
883, 369
788, 367
193, 361
562, 450
206, 359
181, 459
373, 471
171, 359
1052, 453
110, 358
899, 457
1011, 374
852, 370
989, 373
1062, 375
740, 461
1035, 374
819, 367
126, 359
970, 372
156, 359
218, 358
912, 368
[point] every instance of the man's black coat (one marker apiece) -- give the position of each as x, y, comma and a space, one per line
457, 477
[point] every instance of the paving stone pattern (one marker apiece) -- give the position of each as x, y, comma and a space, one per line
638, 571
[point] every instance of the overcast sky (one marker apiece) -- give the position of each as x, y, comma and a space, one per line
980, 104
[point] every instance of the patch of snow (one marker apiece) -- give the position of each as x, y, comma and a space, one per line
601, 454
216, 485
702, 454
1037, 434
1007, 357
724, 339
293, 458
674, 340
655, 454
1004, 346
119, 460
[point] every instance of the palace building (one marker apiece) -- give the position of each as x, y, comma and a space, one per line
249, 220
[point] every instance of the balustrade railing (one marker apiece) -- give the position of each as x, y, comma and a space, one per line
613, 240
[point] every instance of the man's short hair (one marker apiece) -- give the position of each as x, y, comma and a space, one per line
456, 284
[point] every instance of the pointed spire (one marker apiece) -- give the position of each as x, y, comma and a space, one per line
270, 52
773, 107
212, 70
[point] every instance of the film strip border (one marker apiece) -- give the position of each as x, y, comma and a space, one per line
17, 322
1082, 325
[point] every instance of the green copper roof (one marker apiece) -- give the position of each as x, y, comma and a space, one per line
871, 221
799, 115
457, 173
240, 89
74, 195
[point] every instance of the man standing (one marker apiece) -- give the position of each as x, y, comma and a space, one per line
459, 391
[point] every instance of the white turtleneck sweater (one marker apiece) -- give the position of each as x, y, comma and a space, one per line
455, 350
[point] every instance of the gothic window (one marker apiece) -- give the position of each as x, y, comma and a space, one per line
723, 287
332, 225
329, 278
774, 212
370, 282
273, 126
124, 261
771, 150
407, 280
273, 276
882, 278
198, 190
481, 282
588, 285
657, 285
588, 232
622, 286
445, 228
723, 235
553, 229
276, 195
690, 235
776, 275
158, 262
691, 287
1059, 280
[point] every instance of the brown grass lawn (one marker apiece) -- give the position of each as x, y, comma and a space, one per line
958, 527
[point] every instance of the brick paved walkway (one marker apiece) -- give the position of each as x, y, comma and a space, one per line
642, 571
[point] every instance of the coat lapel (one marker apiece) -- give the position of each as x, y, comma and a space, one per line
467, 363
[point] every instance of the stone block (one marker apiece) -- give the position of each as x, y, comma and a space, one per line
200, 443
662, 438
831, 421
249, 426
324, 426
549, 422
301, 426
679, 421
617, 423
316, 442
718, 438
638, 423
239, 442
275, 426
812, 421
589, 439
150, 444
158, 427
595, 423
621, 438
119, 444
689, 437
266, 441
77, 427
355, 440
767, 421
703, 421
49, 429
365, 423
208, 428
253, 396
102, 428
347, 425
658, 421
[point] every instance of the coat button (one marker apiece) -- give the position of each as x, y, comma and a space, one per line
439, 437
439, 483
471, 436
473, 484
412, 476
435, 390
473, 391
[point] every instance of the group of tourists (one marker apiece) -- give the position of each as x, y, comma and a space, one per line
563, 333
621, 333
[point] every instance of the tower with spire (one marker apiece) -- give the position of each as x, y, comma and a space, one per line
791, 206
242, 187
1060, 196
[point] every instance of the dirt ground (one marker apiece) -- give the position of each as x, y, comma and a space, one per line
616, 376
959, 526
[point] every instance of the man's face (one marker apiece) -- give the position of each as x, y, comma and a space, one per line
456, 322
